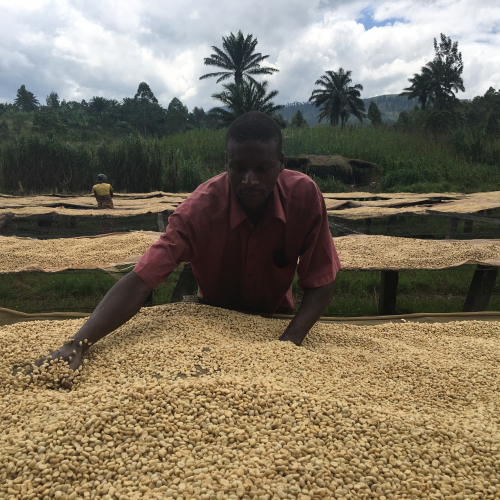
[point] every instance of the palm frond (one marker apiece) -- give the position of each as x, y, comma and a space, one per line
239, 58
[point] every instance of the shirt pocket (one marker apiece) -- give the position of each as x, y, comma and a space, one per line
284, 273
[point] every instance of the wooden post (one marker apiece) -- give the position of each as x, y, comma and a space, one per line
185, 286
368, 225
160, 222
388, 291
391, 224
44, 223
480, 289
452, 228
5, 219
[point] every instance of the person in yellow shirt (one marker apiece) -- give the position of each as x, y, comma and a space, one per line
103, 192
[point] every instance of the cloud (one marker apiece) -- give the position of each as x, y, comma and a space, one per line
82, 48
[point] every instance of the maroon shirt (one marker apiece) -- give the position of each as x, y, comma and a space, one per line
241, 266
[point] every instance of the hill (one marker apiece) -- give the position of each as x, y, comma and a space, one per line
390, 106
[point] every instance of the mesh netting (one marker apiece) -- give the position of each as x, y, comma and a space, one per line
53, 225
426, 225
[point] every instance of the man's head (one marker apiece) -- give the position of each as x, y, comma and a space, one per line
254, 158
101, 178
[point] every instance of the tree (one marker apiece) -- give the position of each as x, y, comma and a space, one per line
53, 100
403, 119
280, 120
337, 99
146, 101
176, 117
4, 130
374, 114
444, 80
419, 89
18, 121
492, 129
26, 100
197, 118
98, 104
441, 78
298, 120
238, 59
242, 98
47, 120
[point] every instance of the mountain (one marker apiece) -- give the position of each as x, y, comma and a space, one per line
390, 106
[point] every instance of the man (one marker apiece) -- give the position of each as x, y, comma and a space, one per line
243, 232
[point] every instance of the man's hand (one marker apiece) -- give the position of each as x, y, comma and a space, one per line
120, 304
313, 305
71, 352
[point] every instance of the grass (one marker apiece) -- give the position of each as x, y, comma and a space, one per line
414, 162
444, 291
356, 292
74, 291
409, 162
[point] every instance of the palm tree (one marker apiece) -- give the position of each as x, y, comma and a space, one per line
98, 104
242, 98
238, 59
419, 89
337, 98
440, 78
444, 81
26, 100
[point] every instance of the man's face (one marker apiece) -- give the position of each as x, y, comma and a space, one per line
253, 168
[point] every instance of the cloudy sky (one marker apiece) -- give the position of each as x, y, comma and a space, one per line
82, 48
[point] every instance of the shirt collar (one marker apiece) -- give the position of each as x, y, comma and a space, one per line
274, 209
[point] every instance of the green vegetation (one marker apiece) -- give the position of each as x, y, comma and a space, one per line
356, 293
374, 114
298, 120
337, 99
239, 99
409, 161
440, 78
75, 291
238, 58
445, 144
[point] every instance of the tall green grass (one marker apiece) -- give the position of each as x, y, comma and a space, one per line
408, 162
41, 163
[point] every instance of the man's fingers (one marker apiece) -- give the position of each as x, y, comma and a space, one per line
67, 384
66, 361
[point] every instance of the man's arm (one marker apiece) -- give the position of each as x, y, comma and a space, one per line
313, 305
120, 304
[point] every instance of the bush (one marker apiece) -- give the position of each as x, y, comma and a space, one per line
402, 177
190, 174
330, 185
